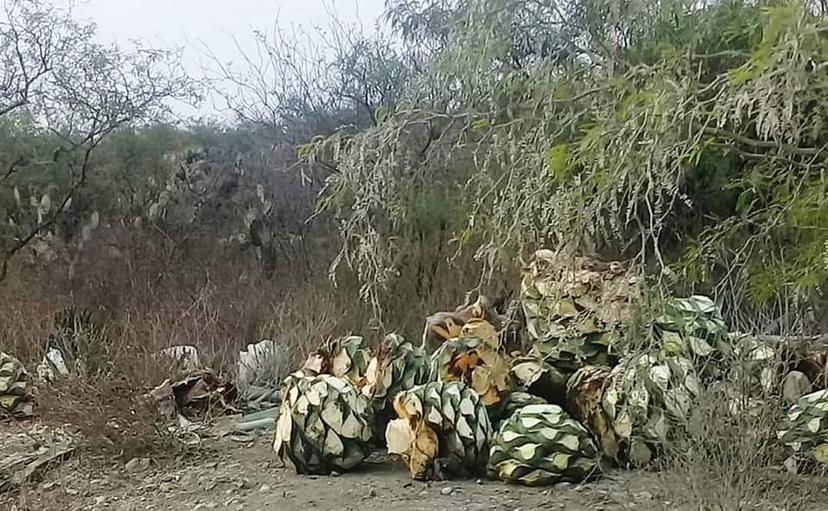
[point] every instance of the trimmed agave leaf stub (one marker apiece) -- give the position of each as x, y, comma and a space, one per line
472, 361
324, 424
576, 308
541, 445
804, 431
16, 396
646, 399
441, 430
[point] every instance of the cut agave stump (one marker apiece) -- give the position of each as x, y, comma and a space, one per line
804, 431
442, 430
324, 424
693, 328
541, 444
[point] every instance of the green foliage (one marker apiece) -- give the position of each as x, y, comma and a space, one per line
681, 135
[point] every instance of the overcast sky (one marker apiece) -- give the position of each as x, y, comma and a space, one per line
195, 23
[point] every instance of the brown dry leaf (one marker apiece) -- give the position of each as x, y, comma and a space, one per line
491, 397
499, 367
481, 380
483, 330
315, 363
423, 451
462, 364
341, 364
368, 383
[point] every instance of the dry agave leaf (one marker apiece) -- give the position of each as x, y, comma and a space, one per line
463, 363
424, 450
315, 364
483, 330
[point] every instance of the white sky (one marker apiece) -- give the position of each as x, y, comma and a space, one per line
214, 23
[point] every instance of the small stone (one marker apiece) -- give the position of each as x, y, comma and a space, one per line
518, 509
563, 486
335, 474
447, 490
72, 491
133, 465
794, 386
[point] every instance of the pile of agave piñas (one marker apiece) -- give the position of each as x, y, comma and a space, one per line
573, 401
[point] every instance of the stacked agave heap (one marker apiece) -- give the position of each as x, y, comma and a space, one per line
541, 444
442, 430
15, 391
574, 308
804, 431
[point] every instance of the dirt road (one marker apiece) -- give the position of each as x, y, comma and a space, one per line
231, 476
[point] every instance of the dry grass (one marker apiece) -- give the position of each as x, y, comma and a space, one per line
728, 457
152, 294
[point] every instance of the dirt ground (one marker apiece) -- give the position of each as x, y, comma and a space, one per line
232, 475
